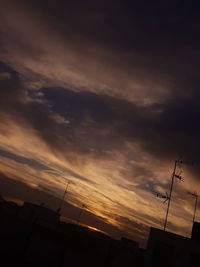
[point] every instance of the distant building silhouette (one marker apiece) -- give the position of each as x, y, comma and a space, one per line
32, 235
33, 213
196, 232
171, 250
8, 207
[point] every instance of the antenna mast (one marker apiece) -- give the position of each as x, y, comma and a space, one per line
63, 198
170, 193
195, 205
81, 211
180, 178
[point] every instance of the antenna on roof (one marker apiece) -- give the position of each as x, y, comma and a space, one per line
195, 205
165, 197
176, 174
80, 213
63, 198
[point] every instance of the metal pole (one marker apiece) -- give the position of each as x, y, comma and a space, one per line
79, 216
195, 207
63, 198
171, 187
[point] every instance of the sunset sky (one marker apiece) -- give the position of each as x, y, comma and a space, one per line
104, 94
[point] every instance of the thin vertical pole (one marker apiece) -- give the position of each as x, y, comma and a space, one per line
79, 216
63, 198
170, 194
195, 208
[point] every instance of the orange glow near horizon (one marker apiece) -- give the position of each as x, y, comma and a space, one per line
95, 229
67, 220
17, 201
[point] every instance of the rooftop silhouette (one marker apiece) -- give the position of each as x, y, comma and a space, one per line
33, 235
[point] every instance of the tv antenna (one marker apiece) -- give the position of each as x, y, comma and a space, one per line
195, 205
165, 197
176, 174
63, 198
80, 213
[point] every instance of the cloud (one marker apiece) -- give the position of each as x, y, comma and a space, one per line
104, 96
101, 149
5, 76
103, 48
64, 60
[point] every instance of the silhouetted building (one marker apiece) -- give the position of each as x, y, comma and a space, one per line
171, 250
196, 231
129, 243
8, 207
38, 213
124, 252
34, 236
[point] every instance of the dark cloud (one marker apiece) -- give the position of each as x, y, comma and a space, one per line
21, 106
31, 162
158, 128
12, 92
141, 49
159, 37
93, 113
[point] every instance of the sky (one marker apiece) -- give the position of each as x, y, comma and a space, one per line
103, 95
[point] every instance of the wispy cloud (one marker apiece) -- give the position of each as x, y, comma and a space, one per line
107, 108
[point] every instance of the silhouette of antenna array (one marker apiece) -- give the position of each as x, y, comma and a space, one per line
176, 175
63, 198
81, 211
166, 197
195, 205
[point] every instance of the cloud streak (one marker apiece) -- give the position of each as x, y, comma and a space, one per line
92, 94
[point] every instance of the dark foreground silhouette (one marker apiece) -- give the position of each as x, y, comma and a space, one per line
32, 235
